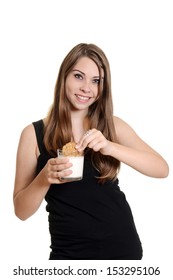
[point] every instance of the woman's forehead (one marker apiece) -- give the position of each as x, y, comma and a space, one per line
87, 66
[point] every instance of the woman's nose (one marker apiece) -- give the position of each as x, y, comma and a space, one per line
85, 90
85, 87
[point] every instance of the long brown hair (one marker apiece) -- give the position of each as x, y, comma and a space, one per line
58, 127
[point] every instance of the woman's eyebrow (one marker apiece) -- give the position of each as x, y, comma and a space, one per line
95, 77
78, 71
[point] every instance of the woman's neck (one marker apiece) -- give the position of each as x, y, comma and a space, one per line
79, 124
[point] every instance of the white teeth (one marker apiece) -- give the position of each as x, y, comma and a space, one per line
83, 97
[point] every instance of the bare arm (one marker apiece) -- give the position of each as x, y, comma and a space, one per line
133, 151
29, 188
130, 149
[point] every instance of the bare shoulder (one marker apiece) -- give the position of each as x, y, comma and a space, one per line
28, 134
127, 136
119, 123
28, 139
122, 127
28, 130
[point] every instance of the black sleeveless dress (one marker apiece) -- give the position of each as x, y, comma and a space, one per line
88, 220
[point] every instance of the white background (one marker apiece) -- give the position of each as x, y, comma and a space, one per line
137, 37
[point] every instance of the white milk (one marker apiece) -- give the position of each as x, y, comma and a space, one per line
77, 167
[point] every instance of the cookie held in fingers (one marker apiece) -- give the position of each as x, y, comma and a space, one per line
69, 149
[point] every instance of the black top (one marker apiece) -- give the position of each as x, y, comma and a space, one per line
88, 220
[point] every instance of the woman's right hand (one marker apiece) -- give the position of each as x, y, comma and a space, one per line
55, 169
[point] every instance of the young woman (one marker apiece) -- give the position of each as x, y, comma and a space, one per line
90, 218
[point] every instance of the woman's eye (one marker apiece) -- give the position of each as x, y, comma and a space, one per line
96, 81
78, 76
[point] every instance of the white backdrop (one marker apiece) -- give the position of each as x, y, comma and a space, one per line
137, 37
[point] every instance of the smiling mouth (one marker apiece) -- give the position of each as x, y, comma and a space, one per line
82, 98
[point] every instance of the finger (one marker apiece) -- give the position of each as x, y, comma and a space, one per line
61, 166
86, 138
94, 138
94, 143
63, 173
86, 134
56, 161
57, 180
95, 146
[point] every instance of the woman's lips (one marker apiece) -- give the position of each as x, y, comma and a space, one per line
82, 99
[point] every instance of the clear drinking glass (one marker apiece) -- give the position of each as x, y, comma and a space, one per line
77, 167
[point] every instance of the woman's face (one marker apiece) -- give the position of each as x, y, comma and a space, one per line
82, 84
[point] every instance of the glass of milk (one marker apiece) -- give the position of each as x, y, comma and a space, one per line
77, 167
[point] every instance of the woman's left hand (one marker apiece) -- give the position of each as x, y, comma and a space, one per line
95, 140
